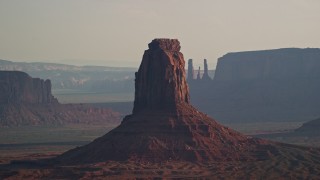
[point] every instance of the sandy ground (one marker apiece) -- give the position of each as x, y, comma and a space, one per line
290, 164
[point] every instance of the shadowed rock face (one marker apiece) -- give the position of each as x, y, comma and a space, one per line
161, 80
263, 86
164, 126
18, 87
269, 64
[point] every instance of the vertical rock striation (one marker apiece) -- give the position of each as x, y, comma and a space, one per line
161, 81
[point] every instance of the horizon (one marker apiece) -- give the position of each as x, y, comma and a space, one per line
197, 63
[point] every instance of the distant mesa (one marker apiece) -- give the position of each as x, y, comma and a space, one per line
262, 86
164, 126
28, 101
269, 64
18, 87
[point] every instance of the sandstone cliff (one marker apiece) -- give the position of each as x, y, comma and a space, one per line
28, 101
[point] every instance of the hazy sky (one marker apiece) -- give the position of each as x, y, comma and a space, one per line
116, 32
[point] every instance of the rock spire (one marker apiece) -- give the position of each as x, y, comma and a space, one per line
190, 70
205, 75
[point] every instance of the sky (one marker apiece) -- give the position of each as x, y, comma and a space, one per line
116, 32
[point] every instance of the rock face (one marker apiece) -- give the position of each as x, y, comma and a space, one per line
18, 87
164, 126
28, 101
269, 85
269, 64
161, 81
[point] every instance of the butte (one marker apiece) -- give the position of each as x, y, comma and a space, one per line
164, 126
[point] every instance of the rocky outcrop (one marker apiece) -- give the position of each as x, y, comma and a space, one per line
18, 87
28, 101
164, 126
161, 81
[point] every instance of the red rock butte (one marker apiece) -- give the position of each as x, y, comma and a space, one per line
160, 81
164, 126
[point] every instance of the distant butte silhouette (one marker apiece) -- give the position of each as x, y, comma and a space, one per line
164, 126
27, 101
